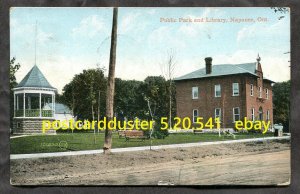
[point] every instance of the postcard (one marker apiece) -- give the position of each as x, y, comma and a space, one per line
150, 96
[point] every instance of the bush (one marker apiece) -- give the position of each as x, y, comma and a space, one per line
158, 132
147, 133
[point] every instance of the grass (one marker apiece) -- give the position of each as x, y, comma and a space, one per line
85, 141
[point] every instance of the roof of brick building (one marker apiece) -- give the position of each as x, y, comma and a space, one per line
222, 70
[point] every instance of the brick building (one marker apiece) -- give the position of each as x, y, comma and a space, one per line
230, 92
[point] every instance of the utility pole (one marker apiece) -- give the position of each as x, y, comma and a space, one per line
111, 83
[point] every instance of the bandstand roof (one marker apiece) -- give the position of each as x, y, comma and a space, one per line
35, 78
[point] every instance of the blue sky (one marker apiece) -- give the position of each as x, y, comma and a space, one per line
72, 39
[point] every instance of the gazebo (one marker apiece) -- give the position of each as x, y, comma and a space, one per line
32, 97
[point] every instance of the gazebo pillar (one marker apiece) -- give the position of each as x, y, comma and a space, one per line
14, 104
24, 100
40, 104
53, 107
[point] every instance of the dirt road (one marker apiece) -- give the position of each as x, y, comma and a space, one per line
262, 163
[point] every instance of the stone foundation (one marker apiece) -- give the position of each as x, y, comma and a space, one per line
30, 126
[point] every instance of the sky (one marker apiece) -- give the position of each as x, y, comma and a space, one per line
69, 40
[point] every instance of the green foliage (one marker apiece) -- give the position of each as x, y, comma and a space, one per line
127, 101
156, 89
158, 132
83, 92
281, 103
12, 84
13, 69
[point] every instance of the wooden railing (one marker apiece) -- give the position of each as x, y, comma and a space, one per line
33, 113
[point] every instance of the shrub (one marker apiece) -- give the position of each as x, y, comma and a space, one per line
158, 132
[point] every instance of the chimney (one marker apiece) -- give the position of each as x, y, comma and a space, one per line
208, 65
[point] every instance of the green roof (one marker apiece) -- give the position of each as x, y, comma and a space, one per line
221, 70
59, 108
35, 78
62, 109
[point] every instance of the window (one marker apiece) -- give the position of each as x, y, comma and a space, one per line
268, 115
259, 91
251, 90
195, 92
235, 89
260, 114
218, 90
236, 114
252, 114
267, 94
195, 115
218, 113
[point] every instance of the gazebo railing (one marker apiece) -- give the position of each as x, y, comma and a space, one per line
19, 113
34, 113
47, 113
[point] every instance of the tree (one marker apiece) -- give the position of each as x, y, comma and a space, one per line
281, 10
168, 68
111, 83
281, 103
127, 103
12, 84
155, 95
156, 88
81, 93
12, 74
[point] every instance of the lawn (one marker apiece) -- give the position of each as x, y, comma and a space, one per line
85, 141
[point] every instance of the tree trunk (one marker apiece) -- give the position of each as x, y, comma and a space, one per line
111, 83
73, 105
98, 111
93, 114
170, 104
93, 117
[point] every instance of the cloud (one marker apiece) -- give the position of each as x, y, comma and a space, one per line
163, 36
258, 30
128, 22
195, 29
240, 56
275, 67
158, 35
89, 26
18, 30
151, 11
59, 70
139, 58
44, 37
